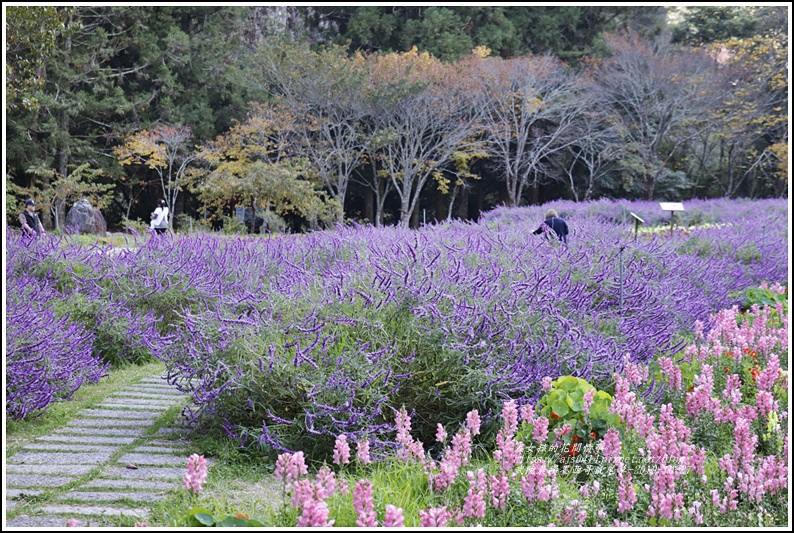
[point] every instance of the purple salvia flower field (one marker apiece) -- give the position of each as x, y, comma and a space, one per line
289, 342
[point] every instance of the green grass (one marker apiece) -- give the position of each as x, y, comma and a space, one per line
22, 432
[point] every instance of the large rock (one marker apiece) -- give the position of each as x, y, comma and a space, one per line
85, 218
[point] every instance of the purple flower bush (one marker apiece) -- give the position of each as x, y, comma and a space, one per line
290, 342
47, 357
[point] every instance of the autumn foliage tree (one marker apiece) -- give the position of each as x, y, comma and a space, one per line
166, 150
422, 116
253, 165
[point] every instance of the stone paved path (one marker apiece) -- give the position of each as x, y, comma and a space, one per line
102, 464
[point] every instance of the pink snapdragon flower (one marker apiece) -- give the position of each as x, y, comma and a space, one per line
540, 429
394, 517
315, 514
611, 447
196, 473
474, 502
573, 514
362, 451
72, 522
527, 413
434, 517
545, 384
626, 495
534, 484
672, 372
289, 467
473, 422
326, 483
362, 503
587, 401
341, 450
441, 434
665, 501
499, 487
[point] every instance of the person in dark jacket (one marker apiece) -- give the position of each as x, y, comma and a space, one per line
29, 220
557, 224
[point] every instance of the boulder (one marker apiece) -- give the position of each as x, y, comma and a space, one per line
85, 218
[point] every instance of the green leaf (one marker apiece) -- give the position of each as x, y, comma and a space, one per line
204, 518
559, 408
233, 521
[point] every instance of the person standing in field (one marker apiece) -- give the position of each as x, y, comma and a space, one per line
160, 218
29, 220
557, 224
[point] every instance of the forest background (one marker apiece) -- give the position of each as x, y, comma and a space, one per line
316, 115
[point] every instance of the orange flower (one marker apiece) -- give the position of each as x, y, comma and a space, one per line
691, 388
753, 354
553, 415
593, 435
729, 354
572, 451
747, 350
727, 370
754, 372
241, 515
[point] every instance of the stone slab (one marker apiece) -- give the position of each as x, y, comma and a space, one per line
120, 413
139, 406
94, 510
158, 389
69, 447
10, 504
111, 496
149, 395
139, 459
51, 458
84, 439
145, 472
44, 522
160, 449
180, 443
16, 493
110, 432
129, 484
33, 480
54, 469
105, 423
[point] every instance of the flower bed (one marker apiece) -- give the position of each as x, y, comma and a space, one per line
713, 452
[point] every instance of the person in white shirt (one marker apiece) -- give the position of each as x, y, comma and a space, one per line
159, 221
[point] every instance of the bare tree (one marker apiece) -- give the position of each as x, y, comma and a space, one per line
422, 116
590, 156
322, 93
529, 104
661, 95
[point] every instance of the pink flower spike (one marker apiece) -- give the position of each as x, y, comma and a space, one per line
473, 422
72, 522
141, 524
362, 451
341, 450
545, 384
441, 434
196, 473
588, 401
394, 517
434, 517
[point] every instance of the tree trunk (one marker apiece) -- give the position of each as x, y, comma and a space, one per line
463, 209
534, 193
440, 205
369, 205
415, 217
